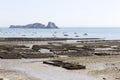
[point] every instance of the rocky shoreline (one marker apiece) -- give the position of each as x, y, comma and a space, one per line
13, 48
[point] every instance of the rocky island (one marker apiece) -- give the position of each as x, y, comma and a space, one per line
50, 25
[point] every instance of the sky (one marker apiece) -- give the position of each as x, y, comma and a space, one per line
65, 13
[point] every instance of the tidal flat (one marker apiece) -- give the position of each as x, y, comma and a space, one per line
23, 60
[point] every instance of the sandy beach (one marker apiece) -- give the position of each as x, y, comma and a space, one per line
36, 69
33, 69
59, 39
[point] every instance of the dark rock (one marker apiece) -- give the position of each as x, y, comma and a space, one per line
35, 47
30, 56
1, 79
54, 63
101, 54
6, 47
65, 65
10, 55
73, 66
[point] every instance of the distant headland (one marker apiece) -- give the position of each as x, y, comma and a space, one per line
50, 25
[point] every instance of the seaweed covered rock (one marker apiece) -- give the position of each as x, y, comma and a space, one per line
73, 66
10, 55
7, 48
65, 65
35, 47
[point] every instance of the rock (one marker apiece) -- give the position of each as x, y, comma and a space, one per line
1, 78
36, 25
51, 25
65, 65
35, 47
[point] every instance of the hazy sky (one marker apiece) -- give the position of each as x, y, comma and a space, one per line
65, 13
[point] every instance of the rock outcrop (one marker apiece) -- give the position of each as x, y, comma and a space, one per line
50, 25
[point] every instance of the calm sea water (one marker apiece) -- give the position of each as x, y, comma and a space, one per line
107, 33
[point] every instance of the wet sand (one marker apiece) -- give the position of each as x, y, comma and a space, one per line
36, 69
100, 67
97, 69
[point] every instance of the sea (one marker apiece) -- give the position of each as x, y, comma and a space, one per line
108, 33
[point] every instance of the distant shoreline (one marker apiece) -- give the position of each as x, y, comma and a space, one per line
50, 25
